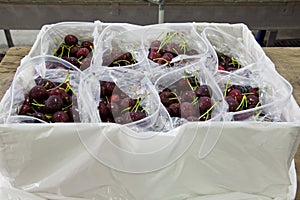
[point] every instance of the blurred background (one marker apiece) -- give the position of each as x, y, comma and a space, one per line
273, 22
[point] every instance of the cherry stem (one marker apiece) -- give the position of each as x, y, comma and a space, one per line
67, 78
62, 51
257, 114
233, 61
138, 102
176, 97
155, 59
223, 57
175, 51
166, 40
126, 109
48, 116
196, 80
187, 79
194, 102
248, 93
65, 108
226, 88
35, 103
80, 58
244, 101
207, 112
257, 105
118, 62
133, 59
106, 97
183, 46
69, 50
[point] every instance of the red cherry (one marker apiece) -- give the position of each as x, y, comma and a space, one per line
236, 94
115, 98
221, 68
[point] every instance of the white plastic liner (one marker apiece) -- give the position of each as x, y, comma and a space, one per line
198, 161
252, 158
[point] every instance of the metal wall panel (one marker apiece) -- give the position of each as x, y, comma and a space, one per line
259, 15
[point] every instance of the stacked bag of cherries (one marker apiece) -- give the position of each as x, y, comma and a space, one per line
113, 74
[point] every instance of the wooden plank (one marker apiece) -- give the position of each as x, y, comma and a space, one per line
9, 65
287, 63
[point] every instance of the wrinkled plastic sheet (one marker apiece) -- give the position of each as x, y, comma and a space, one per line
196, 161
67, 161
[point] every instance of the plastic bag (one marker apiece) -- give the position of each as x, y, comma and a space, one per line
191, 87
119, 45
171, 46
122, 87
260, 82
37, 71
229, 50
77, 50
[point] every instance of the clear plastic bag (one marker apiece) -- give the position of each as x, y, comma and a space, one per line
119, 45
229, 50
260, 82
138, 141
53, 42
31, 73
195, 72
171, 46
125, 84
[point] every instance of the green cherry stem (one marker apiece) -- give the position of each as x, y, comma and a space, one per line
139, 101
187, 79
244, 101
67, 78
48, 116
155, 59
207, 112
196, 80
125, 109
65, 108
176, 97
35, 103
226, 88
118, 62
166, 40
195, 101
62, 51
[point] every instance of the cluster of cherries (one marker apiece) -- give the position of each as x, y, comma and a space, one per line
227, 63
50, 102
80, 55
117, 107
187, 98
118, 59
162, 52
241, 98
